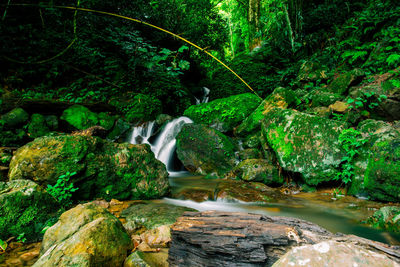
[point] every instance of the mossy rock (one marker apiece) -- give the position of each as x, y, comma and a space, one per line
80, 117
225, 113
342, 82
280, 98
143, 108
150, 215
119, 130
52, 122
250, 153
258, 170
204, 150
37, 126
374, 132
104, 169
386, 218
106, 121
320, 98
25, 208
382, 176
305, 143
15, 117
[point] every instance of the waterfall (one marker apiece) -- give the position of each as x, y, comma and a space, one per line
164, 145
205, 97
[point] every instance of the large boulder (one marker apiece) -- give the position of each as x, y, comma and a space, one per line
103, 169
343, 81
15, 117
225, 113
333, 253
280, 98
304, 143
204, 150
376, 166
86, 235
25, 208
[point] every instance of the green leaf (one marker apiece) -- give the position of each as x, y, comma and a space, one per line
3, 245
183, 48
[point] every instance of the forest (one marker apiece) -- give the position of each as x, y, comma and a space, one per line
199, 133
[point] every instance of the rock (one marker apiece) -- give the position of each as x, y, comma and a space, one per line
258, 170
225, 113
86, 235
15, 117
143, 108
322, 98
339, 107
304, 143
342, 82
311, 72
80, 117
25, 208
323, 112
141, 259
120, 129
103, 169
150, 215
280, 98
333, 253
106, 121
37, 126
232, 190
52, 122
13, 137
386, 218
163, 118
134, 260
204, 150
213, 238
92, 131
252, 141
378, 132
195, 194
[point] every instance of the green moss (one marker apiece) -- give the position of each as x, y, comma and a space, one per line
15, 117
80, 117
37, 126
386, 218
143, 108
225, 113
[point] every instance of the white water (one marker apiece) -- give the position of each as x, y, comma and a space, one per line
142, 133
205, 97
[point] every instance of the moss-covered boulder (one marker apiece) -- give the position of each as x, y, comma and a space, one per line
386, 218
321, 98
304, 143
343, 81
376, 134
204, 150
280, 98
80, 117
382, 176
225, 113
104, 169
258, 170
119, 130
15, 117
37, 126
25, 208
143, 108
86, 235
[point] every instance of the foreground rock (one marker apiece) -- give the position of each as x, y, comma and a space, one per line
304, 143
86, 235
204, 150
225, 113
214, 238
103, 169
333, 253
25, 208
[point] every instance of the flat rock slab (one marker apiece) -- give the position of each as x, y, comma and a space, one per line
214, 238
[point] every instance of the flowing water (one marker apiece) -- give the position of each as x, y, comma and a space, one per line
342, 215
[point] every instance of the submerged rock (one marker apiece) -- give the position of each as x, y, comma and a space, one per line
304, 143
103, 169
258, 170
204, 150
25, 208
225, 113
86, 235
333, 253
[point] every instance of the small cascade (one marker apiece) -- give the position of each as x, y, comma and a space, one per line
142, 133
205, 97
164, 145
